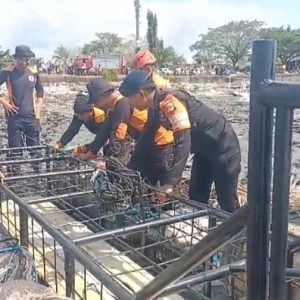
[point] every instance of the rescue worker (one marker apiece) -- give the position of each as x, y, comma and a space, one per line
122, 126
84, 114
23, 108
196, 127
145, 60
115, 127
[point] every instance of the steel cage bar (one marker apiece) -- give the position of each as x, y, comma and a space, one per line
70, 247
201, 251
266, 281
259, 171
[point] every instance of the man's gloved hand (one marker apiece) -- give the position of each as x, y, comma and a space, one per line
164, 193
86, 156
58, 146
79, 150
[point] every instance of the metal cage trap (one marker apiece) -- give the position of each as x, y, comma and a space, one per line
98, 235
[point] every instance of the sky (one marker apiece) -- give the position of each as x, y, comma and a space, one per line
45, 24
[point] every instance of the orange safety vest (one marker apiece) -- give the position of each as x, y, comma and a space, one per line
138, 120
98, 115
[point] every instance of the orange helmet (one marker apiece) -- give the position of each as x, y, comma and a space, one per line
143, 58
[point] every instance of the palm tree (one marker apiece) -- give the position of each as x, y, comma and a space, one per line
5, 58
137, 7
63, 54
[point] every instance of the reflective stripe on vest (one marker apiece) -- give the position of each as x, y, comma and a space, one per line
138, 120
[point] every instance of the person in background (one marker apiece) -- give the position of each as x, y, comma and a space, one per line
196, 128
22, 107
145, 60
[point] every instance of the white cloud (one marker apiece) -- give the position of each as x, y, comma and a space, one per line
45, 24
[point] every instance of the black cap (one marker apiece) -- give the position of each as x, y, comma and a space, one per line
23, 51
98, 87
82, 104
134, 82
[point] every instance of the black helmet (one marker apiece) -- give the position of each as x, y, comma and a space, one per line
82, 104
98, 87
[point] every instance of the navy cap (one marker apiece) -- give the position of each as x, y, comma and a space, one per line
134, 82
82, 104
97, 87
23, 51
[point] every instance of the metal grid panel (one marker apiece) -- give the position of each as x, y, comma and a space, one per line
134, 230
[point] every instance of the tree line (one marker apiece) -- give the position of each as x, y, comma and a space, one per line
231, 43
228, 44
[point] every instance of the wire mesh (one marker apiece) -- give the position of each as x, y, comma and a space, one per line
59, 187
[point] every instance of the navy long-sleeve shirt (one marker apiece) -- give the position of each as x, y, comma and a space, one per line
23, 84
93, 125
114, 129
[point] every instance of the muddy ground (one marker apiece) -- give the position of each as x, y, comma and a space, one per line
58, 111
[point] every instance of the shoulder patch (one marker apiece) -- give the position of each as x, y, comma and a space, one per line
9, 68
159, 81
176, 113
33, 69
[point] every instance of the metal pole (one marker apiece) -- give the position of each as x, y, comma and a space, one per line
23, 219
95, 269
46, 175
197, 254
69, 273
23, 148
259, 172
138, 227
280, 202
212, 223
32, 160
290, 264
59, 197
215, 274
272, 94
207, 276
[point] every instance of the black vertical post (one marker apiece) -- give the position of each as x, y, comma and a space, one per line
259, 171
24, 236
212, 222
70, 274
280, 202
290, 264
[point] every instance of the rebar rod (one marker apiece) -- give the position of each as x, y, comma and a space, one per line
203, 277
215, 274
50, 174
280, 202
138, 227
59, 197
95, 269
40, 147
32, 160
198, 253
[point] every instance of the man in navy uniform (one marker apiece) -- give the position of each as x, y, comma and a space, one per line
22, 106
